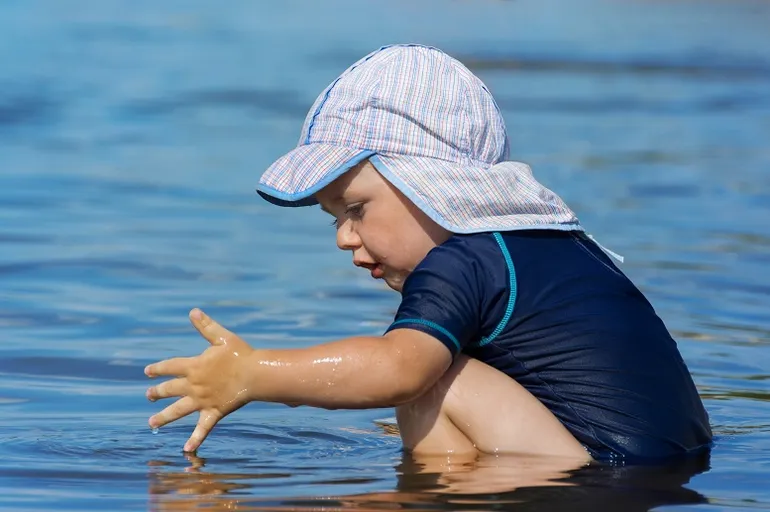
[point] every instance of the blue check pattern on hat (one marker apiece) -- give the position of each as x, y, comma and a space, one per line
432, 129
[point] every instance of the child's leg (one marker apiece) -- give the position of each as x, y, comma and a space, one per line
475, 407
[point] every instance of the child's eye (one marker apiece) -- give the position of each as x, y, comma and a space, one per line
355, 210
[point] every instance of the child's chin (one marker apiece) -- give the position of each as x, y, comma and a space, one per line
394, 284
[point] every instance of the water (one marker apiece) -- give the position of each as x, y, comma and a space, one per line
132, 135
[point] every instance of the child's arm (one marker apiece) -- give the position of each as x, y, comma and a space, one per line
361, 372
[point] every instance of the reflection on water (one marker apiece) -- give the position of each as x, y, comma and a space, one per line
489, 482
131, 138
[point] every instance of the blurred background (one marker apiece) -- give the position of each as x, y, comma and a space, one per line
132, 135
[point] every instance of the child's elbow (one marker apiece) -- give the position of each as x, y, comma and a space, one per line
417, 362
406, 393
409, 384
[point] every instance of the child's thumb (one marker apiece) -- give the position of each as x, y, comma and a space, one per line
209, 329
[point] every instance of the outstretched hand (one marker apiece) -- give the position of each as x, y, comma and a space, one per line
214, 383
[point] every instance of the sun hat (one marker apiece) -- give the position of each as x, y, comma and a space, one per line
433, 130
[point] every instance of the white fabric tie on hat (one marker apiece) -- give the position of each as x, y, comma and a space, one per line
615, 255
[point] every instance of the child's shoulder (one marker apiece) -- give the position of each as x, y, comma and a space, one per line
497, 244
543, 253
464, 247
476, 258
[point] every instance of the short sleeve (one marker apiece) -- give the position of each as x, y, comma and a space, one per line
443, 296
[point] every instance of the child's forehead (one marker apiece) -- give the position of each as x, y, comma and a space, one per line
358, 177
359, 180
335, 191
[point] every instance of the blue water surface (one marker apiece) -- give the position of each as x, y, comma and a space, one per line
132, 135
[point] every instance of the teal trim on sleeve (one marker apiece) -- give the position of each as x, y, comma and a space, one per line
430, 324
511, 293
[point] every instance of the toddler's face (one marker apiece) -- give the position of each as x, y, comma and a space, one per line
387, 233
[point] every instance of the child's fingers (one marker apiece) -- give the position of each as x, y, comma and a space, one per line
206, 422
173, 412
176, 366
173, 387
209, 329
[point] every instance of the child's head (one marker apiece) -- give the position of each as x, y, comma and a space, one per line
420, 123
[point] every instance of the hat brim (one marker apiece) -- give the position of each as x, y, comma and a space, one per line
462, 198
294, 178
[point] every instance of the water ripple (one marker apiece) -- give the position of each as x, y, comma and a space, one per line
725, 68
27, 109
269, 101
50, 366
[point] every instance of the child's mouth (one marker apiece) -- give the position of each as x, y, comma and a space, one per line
377, 272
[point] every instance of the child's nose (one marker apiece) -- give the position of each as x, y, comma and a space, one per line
347, 238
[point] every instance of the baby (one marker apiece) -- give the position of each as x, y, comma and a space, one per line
515, 332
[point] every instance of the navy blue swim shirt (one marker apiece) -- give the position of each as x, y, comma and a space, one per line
551, 310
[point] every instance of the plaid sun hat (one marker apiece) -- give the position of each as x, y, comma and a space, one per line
433, 130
